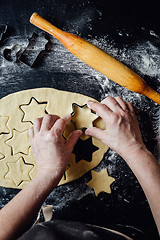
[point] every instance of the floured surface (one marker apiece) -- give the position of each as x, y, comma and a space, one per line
17, 161
131, 38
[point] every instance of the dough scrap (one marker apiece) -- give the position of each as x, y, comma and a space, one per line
21, 109
101, 182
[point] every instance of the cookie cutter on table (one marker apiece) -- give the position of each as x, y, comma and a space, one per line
37, 47
3, 30
12, 54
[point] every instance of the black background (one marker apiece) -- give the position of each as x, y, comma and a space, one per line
89, 19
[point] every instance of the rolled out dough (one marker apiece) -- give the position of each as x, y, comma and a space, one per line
17, 113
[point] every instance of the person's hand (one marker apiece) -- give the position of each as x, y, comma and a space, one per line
51, 151
122, 132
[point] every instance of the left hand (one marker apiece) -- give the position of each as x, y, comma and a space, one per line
51, 151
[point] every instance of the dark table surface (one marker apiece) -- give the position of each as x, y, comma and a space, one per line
130, 33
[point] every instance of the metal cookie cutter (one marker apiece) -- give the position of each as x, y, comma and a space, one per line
37, 47
12, 54
3, 30
73, 113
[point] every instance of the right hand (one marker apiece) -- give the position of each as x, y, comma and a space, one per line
123, 135
122, 132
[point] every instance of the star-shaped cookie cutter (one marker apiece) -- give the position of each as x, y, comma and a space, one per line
83, 128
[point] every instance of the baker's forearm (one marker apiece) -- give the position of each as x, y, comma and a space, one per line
122, 134
144, 165
17, 215
52, 155
147, 170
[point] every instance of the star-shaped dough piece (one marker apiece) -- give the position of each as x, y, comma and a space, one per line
19, 142
3, 122
33, 110
82, 116
101, 182
19, 171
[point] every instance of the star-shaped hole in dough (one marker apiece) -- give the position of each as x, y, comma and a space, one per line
84, 149
101, 181
82, 116
19, 142
19, 171
3, 124
33, 110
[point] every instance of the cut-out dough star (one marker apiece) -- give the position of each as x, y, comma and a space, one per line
3, 122
19, 142
19, 171
101, 182
33, 110
83, 117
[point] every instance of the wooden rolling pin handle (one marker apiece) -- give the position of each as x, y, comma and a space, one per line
98, 59
43, 24
149, 92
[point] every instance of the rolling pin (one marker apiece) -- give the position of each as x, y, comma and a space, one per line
98, 59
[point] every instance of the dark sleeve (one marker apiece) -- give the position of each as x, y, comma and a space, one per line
66, 230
